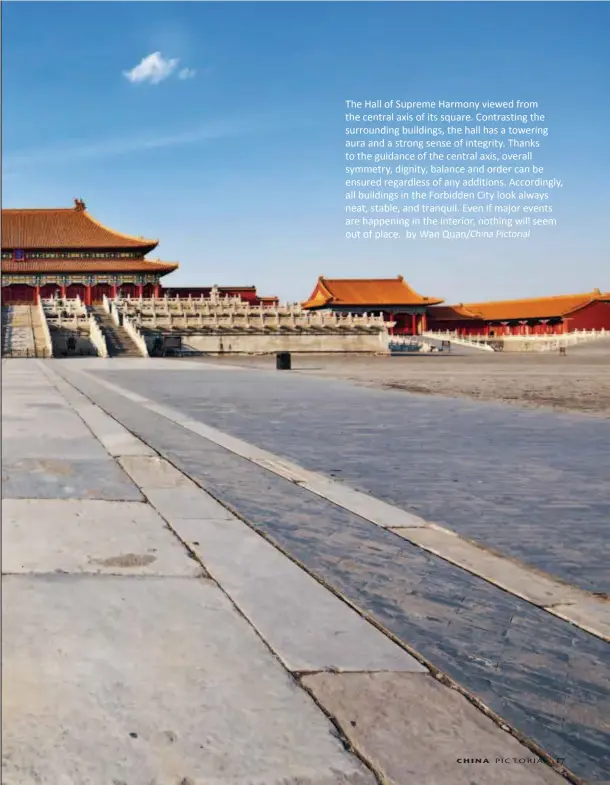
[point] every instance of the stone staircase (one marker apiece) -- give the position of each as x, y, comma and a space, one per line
118, 341
18, 328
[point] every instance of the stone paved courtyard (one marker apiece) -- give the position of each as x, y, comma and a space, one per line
188, 564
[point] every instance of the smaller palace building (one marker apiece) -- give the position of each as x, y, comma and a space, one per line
67, 252
413, 314
392, 298
535, 316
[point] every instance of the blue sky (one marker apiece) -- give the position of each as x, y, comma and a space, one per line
238, 166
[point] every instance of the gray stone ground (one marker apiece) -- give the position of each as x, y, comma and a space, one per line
151, 636
502, 476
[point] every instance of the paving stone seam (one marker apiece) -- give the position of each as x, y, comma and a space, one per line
435, 672
336, 493
98, 575
341, 734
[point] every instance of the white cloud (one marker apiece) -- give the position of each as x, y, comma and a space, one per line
154, 69
186, 73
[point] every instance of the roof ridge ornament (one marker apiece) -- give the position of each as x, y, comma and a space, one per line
79, 205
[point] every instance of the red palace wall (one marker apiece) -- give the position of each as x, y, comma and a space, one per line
18, 293
23, 293
469, 327
595, 316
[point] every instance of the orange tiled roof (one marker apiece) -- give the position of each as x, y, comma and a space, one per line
531, 308
64, 266
63, 228
365, 291
451, 313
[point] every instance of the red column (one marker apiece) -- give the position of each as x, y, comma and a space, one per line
37, 293
391, 319
424, 323
140, 290
88, 294
63, 291
413, 325
157, 290
114, 291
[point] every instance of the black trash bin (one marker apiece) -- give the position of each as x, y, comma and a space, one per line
283, 361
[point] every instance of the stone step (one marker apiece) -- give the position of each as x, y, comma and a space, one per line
118, 340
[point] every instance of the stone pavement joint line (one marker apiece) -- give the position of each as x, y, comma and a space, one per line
569, 603
278, 597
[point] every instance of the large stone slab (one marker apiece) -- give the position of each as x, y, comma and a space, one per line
156, 680
307, 626
27, 443
67, 478
412, 729
187, 502
154, 473
47, 432
42, 536
116, 439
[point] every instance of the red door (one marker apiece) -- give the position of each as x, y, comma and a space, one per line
18, 293
76, 289
99, 290
149, 290
129, 290
49, 290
